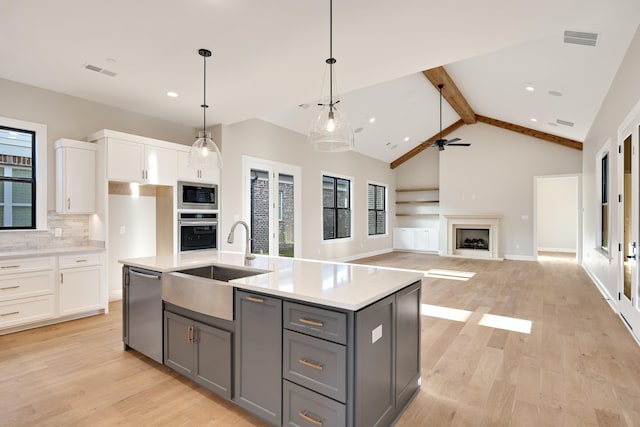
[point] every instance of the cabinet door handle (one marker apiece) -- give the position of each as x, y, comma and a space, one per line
10, 313
311, 322
6, 288
310, 364
61, 278
254, 299
190, 333
9, 266
69, 203
81, 260
305, 416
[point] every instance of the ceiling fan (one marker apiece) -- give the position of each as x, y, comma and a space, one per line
441, 142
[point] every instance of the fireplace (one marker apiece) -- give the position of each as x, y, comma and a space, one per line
473, 236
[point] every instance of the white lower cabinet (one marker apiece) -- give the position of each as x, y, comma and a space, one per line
80, 285
415, 239
38, 290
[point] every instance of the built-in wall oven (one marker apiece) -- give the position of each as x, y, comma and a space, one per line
197, 230
192, 195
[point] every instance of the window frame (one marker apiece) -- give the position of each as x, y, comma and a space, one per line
385, 211
39, 161
603, 198
335, 208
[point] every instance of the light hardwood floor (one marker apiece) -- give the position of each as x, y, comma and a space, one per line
577, 366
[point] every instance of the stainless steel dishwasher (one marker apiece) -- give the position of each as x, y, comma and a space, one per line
142, 312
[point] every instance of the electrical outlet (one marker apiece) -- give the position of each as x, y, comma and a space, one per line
57, 231
122, 230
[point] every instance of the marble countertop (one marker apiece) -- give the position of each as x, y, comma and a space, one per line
340, 285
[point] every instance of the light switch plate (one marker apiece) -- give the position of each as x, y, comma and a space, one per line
376, 334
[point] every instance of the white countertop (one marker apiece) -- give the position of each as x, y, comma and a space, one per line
346, 286
49, 251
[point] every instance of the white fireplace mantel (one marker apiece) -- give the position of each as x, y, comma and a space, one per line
489, 222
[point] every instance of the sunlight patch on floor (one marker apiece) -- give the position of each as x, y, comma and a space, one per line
507, 323
449, 274
445, 312
514, 324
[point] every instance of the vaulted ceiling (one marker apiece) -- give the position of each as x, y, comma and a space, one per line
268, 60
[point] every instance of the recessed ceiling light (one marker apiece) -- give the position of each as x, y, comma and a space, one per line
555, 93
533, 119
172, 94
394, 146
406, 138
357, 130
372, 119
530, 88
387, 144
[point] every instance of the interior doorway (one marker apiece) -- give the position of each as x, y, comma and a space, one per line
557, 217
272, 206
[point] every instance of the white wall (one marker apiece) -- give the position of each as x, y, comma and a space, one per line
264, 140
557, 213
495, 175
623, 95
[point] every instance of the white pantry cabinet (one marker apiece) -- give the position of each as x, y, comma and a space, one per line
80, 283
75, 177
130, 161
187, 173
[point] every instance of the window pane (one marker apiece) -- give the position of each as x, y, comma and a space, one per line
327, 192
380, 198
605, 227
17, 187
372, 222
381, 223
342, 190
371, 198
344, 223
328, 223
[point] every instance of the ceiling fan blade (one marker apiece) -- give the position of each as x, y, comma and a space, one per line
464, 144
449, 141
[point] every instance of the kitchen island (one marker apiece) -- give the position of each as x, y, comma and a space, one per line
300, 342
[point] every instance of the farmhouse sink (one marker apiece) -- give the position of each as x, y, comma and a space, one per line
204, 289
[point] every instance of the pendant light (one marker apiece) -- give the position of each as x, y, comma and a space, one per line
330, 131
204, 152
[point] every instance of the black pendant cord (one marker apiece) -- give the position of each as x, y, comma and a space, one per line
331, 60
205, 54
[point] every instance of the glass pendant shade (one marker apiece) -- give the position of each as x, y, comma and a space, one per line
204, 152
330, 131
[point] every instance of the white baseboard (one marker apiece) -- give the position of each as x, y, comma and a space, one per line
602, 288
115, 294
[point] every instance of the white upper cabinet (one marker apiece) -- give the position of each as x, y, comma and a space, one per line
75, 177
136, 162
188, 173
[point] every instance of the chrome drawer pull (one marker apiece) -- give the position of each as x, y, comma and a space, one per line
9, 266
311, 322
9, 287
10, 314
254, 299
313, 365
81, 260
305, 416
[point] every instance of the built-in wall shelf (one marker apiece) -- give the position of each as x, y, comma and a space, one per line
418, 202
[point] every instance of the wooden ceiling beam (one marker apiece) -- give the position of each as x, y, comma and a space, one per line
531, 132
451, 93
424, 145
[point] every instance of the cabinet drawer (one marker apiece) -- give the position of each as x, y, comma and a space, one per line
24, 285
26, 310
80, 260
21, 265
316, 364
304, 408
327, 324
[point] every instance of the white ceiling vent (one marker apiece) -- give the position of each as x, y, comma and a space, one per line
100, 70
564, 123
582, 38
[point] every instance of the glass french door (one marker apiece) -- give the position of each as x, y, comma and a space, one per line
272, 206
629, 167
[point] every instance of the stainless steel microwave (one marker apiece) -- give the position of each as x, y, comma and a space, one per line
193, 195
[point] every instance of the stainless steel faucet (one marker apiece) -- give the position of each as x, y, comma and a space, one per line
248, 254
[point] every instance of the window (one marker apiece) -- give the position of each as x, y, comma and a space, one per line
377, 209
336, 208
604, 202
17, 178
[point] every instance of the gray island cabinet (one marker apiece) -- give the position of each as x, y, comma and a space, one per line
348, 355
